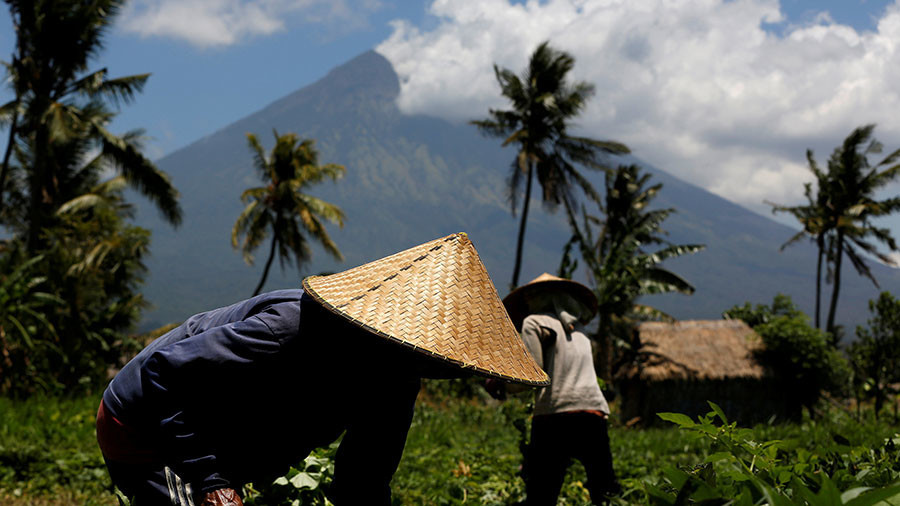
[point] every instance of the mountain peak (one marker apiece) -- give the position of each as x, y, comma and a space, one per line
369, 73
365, 80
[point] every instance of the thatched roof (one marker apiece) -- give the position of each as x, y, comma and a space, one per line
697, 349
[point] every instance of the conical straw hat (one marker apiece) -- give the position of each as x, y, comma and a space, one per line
518, 309
436, 298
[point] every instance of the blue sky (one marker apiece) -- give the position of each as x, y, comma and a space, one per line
725, 94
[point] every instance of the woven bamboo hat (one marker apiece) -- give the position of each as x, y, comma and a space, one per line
438, 299
516, 305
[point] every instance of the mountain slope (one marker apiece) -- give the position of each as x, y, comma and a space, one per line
411, 179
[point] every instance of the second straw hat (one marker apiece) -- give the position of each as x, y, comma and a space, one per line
518, 309
438, 299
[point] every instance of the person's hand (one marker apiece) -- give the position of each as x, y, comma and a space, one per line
222, 497
496, 388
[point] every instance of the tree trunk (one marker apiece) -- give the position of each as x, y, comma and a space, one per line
820, 241
603, 357
839, 247
39, 194
4, 170
15, 65
879, 399
268, 264
520, 242
858, 404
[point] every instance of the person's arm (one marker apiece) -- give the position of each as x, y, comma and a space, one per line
371, 449
535, 338
176, 378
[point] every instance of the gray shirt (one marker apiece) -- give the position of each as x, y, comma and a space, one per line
566, 357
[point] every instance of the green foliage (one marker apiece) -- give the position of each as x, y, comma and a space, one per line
815, 221
624, 258
48, 448
465, 452
852, 183
745, 470
840, 215
57, 204
61, 111
457, 450
782, 305
282, 208
619, 259
91, 269
798, 354
301, 485
875, 355
23, 323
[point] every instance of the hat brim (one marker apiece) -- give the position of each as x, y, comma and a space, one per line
437, 299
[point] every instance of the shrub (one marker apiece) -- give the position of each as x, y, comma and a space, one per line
795, 352
743, 470
875, 355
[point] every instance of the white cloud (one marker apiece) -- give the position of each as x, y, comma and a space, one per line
207, 23
895, 257
696, 87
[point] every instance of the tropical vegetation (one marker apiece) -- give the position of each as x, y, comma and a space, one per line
875, 355
840, 215
623, 260
72, 266
282, 209
62, 187
800, 356
543, 105
465, 451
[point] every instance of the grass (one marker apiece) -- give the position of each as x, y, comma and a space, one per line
49, 453
458, 451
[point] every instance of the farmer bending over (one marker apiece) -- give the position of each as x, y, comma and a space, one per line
240, 393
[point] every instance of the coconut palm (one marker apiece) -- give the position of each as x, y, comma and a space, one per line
282, 208
543, 105
851, 205
619, 260
814, 220
57, 100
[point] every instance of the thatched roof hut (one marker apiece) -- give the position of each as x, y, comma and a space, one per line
687, 363
698, 350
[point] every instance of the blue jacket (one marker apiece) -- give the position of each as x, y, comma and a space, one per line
240, 393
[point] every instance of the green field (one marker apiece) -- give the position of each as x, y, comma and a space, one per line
459, 451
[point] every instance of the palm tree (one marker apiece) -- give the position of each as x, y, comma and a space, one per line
57, 100
813, 217
281, 207
618, 259
851, 205
543, 104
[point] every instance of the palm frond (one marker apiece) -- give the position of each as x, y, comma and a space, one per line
862, 268
140, 173
658, 280
260, 162
122, 90
319, 207
651, 313
675, 251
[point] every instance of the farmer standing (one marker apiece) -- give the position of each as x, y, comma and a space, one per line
570, 415
239, 393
